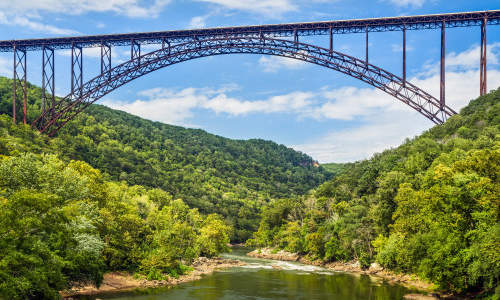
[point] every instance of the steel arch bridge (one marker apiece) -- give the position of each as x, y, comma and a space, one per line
184, 45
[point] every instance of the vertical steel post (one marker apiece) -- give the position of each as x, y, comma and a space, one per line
485, 64
25, 88
331, 40
404, 54
76, 73
43, 80
195, 37
295, 36
482, 71
14, 86
105, 58
72, 69
20, 66
132, 49
53, 83
164, 42
481, 61
135, 51
442, 87
48, 78
366, 44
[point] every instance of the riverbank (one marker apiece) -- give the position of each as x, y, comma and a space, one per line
353, 267
122, 281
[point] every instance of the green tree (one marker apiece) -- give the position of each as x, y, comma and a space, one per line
213, 238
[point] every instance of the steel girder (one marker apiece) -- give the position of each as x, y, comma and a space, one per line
105, 58
48, 80
463, 19
76, 70
20, 74
482, 71
67, 108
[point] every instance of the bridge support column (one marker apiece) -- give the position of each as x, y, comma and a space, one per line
76, 71
105, 58
19, 75
167, 43
442, 87
366, 44
48, 79
331, 40
135, 51
404, 55
482, 71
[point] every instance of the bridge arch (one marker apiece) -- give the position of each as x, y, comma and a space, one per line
68, 107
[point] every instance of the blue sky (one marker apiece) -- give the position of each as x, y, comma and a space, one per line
328, 115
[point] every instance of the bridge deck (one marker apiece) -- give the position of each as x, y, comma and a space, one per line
463, 19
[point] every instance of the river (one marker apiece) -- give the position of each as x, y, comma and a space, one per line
270, 279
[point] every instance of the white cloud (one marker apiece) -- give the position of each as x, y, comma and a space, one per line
469, 59
274, 63
399, 48
293, 102
360, 142
5, 67
392, 123
37, 26
176, 106
167, 106
28, 13
463, 61
406, 3
265, 7
130, 8
197, 22
33, 25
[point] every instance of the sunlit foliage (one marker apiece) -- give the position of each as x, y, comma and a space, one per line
62, 223
429, 207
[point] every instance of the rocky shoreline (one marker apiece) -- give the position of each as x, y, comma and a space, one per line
353, 267
122, 281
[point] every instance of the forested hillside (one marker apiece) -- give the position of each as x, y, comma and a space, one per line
214, 174
61, 223
429, 207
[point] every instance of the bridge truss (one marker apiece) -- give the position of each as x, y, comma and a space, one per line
182, 45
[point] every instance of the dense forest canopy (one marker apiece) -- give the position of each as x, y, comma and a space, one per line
233, 178
429, 207
61, 222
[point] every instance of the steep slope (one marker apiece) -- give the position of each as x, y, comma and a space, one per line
212, 173
430, 206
